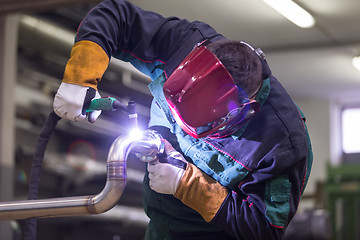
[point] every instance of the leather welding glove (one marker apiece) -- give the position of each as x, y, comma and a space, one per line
190, 185
87, 63
166, 172
71, 101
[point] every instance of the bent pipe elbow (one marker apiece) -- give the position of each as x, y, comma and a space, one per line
85, 205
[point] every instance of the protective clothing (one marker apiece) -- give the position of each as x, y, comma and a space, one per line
172, 174
83, 71
165, 173
86, 65
204, 99
70, 100
259, 172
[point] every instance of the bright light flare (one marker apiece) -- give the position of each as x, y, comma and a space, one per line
293, 12
135, 134
356, 62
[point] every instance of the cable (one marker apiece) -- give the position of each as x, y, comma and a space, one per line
45, 134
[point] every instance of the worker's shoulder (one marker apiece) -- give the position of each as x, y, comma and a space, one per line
281, 114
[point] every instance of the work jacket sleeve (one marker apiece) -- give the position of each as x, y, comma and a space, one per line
145, 38
268, 198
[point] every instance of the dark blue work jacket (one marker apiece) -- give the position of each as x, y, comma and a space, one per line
265, 165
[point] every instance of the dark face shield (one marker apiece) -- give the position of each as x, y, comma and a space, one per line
204, 99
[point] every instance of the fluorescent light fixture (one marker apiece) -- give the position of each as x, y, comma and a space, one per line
356, 62
293, 12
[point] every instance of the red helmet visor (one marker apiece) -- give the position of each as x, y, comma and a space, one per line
203, 97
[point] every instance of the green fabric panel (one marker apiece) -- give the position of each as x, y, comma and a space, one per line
277, 194
310, 152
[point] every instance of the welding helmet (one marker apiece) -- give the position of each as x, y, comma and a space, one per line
204, 99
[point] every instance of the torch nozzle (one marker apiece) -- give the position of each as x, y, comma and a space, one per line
130, 109
118, 105
133, 116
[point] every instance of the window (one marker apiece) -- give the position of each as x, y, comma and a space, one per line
350, 135
345, 129
351, 130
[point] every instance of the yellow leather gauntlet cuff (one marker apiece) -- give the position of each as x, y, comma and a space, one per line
201, 192
87, 64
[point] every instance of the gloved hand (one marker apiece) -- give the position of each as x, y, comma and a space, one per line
172, 174
166, 172
85, 68
71, 100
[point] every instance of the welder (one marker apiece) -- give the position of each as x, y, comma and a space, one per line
237, 153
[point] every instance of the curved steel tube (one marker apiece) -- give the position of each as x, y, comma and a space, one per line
149, 145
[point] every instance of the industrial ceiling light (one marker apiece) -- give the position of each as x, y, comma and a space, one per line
293, 12
356, 62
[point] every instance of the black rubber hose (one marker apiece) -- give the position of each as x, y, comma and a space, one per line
45, 134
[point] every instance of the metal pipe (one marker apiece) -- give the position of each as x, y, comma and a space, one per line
149, 145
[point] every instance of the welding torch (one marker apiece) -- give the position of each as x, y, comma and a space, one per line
112, 104
106, 103
154, 139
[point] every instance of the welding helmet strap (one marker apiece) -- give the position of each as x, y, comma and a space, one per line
265, 66
266, 69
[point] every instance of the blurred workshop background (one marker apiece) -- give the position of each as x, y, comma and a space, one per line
315, 61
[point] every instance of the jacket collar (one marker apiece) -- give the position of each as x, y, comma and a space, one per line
261, 97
